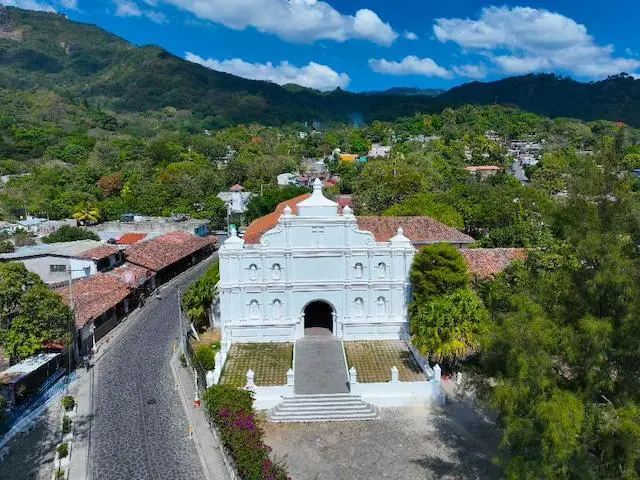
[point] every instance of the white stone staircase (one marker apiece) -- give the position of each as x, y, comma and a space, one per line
332, 407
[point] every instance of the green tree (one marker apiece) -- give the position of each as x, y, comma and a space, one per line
67, 233
6, 246
87, 213
426, 205
197, 299
448, 328
437, 269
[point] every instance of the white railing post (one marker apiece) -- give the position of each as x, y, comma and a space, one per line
290, 377
437, 373
353, 376
250, 383
394, 375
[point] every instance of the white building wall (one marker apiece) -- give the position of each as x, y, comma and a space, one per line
317, 255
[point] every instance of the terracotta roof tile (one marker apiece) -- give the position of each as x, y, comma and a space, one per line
488, 262
420, 230
132, 275
93, 296
130, 238
475, 168
101, 252
160, 252
263, 224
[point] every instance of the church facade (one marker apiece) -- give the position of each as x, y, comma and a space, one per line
316, 269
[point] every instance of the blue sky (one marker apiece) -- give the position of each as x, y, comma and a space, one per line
377, 44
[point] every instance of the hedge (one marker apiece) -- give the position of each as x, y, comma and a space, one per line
231, 410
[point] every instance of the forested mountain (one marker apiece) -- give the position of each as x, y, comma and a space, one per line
89, 65
617, 98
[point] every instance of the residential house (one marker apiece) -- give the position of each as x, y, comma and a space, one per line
171, 254
236, 199
379, 151
486, 263
285, 179
482, 172
59, 262
142, 224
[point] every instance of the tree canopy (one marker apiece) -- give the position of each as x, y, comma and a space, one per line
67, 233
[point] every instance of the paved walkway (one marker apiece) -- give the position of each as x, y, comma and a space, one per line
320, 365
138, 427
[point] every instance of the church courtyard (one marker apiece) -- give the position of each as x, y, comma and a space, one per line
453, 442
373, 361
269, 361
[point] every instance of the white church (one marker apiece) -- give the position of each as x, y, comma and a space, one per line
308, 265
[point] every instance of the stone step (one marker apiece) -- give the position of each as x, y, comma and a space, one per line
322, 407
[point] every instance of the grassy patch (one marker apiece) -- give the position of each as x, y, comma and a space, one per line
269, 361
373, 361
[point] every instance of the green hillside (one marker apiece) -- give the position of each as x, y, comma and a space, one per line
89, 65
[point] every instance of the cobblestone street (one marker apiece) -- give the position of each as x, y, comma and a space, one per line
139, 428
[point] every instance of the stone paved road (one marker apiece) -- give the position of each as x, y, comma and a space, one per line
139, 428
320, 366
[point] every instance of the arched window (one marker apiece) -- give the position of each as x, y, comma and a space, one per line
382, 307
358, 268
359, 307
253, 272
382, 270
276, 309
254, 309
275, 271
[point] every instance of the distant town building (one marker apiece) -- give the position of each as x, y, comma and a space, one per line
285, 179
379, 151
482, 171
236, 199
134, 223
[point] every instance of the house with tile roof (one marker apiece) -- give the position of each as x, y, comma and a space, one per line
56, 262
170, 254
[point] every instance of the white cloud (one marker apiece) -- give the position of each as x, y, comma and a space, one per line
470, 71
302, 21
69, 4
410, 65
313, 75
129, 8
522, 39
410, 36
29, 5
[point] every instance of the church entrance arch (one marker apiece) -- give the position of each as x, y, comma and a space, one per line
318, 316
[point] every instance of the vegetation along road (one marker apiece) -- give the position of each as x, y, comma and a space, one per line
140, 427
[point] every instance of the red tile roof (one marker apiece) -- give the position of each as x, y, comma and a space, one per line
420, 230
93, 296
263, 224
130, 238
488, 262
344, 200
236, 188
161, 252
98, 253
132, 275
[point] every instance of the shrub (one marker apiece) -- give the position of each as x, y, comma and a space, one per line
66, 425
206, 356
231, 409
59, 473
183, 360
68, 403
63, 450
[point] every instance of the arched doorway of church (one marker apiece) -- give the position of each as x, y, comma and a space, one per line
318, 318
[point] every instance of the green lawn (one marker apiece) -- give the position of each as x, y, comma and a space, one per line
269, 361
373, 361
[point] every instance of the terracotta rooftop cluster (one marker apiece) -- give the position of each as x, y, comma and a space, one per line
160, 252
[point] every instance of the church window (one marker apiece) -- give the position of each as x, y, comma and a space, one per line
275, 271
382, 306
276, 307
254, 309
359, 306
253, 272
358, 269
382, 270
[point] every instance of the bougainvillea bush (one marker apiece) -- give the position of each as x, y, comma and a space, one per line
231, 410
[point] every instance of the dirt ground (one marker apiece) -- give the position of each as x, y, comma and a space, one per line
453, 442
